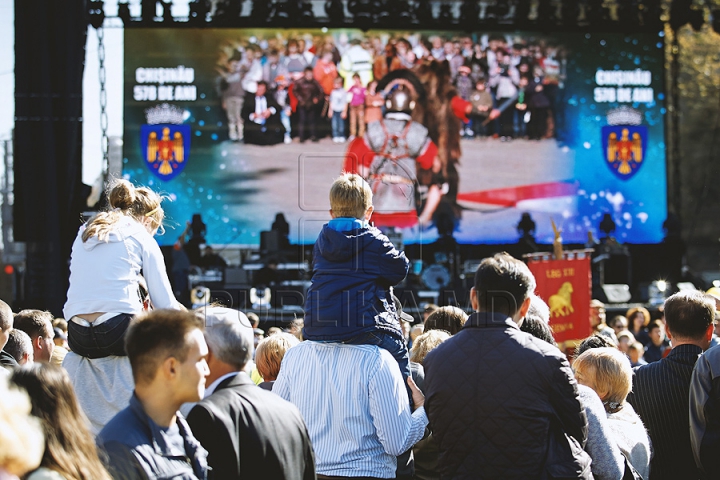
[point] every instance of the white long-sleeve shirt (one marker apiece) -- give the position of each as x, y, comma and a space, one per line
104, 275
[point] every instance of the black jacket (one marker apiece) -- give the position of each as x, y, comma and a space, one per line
8, 361
491, 391
661, 396
252, 433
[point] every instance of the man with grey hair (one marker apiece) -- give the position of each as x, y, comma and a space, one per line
247, 431
20, 347
6, 326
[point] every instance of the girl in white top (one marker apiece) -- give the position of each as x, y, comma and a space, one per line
109, 253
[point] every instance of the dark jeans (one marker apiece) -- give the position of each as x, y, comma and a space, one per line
338, 125
98, 341
307, 120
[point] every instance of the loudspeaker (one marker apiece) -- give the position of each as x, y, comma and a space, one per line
617, 293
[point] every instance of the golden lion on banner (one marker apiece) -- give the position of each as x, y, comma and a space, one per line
561, 303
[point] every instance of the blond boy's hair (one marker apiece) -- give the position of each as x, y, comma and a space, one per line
350, 196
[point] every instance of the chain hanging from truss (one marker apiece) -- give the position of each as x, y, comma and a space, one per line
103, 101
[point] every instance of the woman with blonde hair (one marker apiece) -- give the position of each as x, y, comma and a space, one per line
21, 438
450, 319
109, 253
70, 451
608, 372
426, 343
269, 354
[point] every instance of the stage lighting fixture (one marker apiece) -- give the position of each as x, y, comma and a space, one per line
96, 13
148, 10
124, 13
335, 10
363, 12
682, 12
259, 11
570, 11
522, 12
469, 12
596, 13
651, 11
167, 12
198, 11
607, 225
445, 17
545, 12
400, 10
423, 12
628, 13
715, 19
500, 9
526, 226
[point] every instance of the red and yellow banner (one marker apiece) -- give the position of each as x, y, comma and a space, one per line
566, 286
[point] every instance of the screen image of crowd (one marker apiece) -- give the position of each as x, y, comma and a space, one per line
280, 111
130, 384
509, 84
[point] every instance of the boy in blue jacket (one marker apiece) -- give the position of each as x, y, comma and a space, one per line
355, 267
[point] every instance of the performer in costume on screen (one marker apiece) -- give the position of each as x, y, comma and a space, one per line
400, 160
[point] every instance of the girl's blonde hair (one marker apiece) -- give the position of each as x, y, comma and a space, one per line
270, 352
125, 199
426, 343
608, 369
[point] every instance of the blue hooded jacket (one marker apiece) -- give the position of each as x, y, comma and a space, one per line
354, 267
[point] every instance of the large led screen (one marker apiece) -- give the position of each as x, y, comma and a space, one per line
565, 127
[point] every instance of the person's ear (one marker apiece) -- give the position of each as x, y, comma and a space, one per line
170, 368
368, 213
473, 299
667, 332
709, 332
525, 307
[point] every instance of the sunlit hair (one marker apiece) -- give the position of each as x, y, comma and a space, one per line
21, 437
350, 196
446, 318
270, 352
426, 343
608, 369
634, 311
69, 447
125, 199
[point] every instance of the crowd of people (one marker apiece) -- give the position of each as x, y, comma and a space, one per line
275, 88
132, 385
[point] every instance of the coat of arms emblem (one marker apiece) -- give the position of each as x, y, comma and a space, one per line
165, 141
624, 142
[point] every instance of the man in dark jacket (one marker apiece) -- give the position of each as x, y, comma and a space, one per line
309, 94
493, 391
261, 114
149, 439
6, 325
661, 390
247, 431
